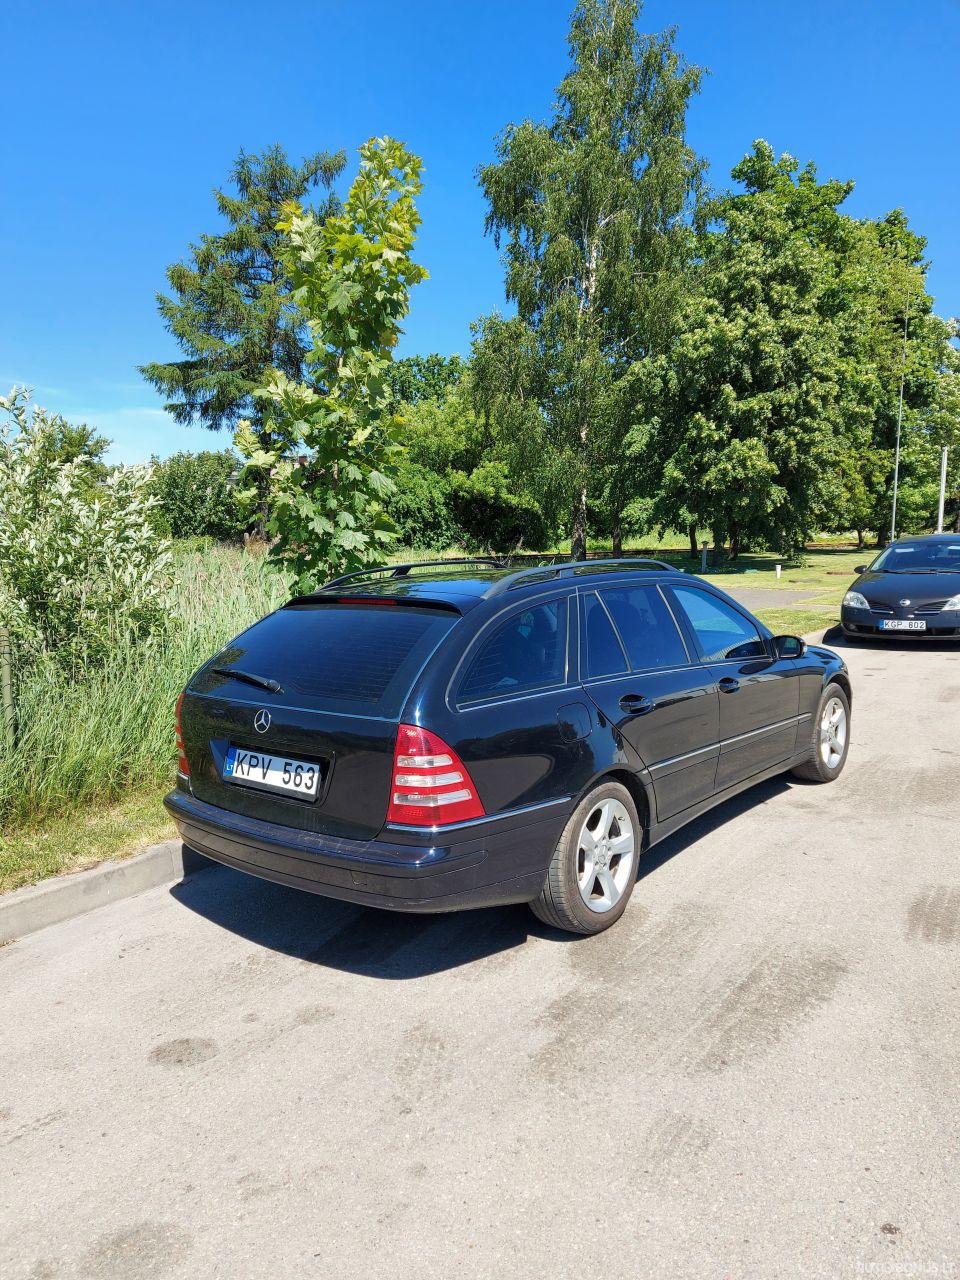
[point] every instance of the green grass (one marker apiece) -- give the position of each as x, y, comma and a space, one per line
83, 747
827, 571
84, 836
93, 758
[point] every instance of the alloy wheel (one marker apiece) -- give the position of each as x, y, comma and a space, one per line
833, 732
606, 855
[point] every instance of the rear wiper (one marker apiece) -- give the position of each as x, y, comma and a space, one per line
262, 682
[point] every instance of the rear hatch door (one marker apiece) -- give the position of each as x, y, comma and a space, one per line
339, 675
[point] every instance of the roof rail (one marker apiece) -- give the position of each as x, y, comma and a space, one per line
403, 570
570, 568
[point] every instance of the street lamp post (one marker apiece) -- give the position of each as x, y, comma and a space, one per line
943, 489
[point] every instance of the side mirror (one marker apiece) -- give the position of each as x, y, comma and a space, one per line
860, 568
789, 646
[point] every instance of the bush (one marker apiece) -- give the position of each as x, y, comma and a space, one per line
81, 564
490, 515
196, 496
91, 739
419, 507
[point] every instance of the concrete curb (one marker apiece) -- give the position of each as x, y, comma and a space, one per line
63, 897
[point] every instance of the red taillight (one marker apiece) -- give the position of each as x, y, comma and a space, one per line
431, 786
183, 765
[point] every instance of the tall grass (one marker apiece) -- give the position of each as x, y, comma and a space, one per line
82, 741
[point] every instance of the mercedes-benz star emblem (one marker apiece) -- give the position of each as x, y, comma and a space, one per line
904, 603
261, 721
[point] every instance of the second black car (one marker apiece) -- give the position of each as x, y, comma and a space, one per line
912, 588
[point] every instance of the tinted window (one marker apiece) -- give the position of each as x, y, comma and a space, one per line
721, 630
646, 627
907, 557
528, 651
362, 658
604, 653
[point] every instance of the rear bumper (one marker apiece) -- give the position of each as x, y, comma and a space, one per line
487, 863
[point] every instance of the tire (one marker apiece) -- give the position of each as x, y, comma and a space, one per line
828, 754
581, 900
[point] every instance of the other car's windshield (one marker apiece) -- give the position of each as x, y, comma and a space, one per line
914, 557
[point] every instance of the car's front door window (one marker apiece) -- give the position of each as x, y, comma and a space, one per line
722, 632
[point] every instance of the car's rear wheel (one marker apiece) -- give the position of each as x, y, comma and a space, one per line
594, 866
830, 739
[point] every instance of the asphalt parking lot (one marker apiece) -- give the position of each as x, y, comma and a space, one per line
756, 1074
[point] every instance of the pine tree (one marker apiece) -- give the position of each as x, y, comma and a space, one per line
231, 311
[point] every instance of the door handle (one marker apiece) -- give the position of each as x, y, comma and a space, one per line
728, 684
636, 704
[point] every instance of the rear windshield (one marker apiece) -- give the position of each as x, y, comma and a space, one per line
353, 658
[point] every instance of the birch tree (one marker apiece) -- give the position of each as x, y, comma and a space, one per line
591, 212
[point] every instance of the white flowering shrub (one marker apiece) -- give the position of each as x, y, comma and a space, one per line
81, 565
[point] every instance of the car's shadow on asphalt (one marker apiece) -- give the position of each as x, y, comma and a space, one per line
339, 935
662, 852
393, 945
835, 639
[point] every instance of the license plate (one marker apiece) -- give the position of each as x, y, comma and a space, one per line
272, 773
901, 624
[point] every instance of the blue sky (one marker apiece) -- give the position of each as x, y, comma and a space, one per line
119, 118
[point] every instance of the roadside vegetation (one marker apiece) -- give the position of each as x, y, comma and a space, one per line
92, 757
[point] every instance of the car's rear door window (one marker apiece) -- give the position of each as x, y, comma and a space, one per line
525, 653
604, 653
646, 626
722, 632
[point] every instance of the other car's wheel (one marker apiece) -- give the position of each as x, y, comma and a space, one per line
830, 739
594, 866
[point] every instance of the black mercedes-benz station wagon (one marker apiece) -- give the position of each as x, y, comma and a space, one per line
912, 588
460, 734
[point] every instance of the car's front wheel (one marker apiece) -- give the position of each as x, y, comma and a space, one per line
594, 866
830, 739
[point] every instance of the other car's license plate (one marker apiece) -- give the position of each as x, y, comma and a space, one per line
901, 624
272, 773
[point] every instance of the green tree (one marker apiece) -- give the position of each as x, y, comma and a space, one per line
419, 507
62, 442
196, 495
491, 514
592, 208
877, 297
488, 503
745, 439
231, 310
946, 420
417, 378
336, 438
446, 434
